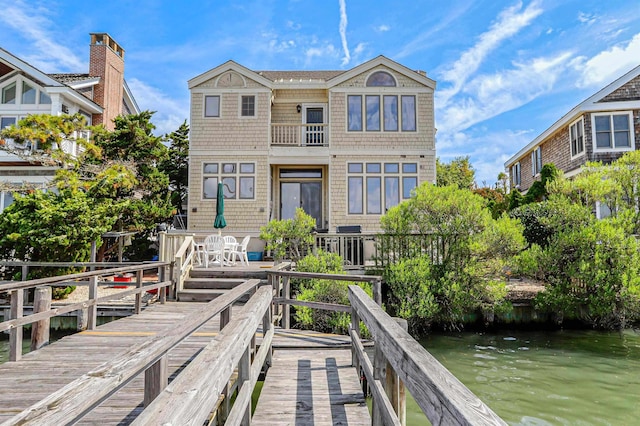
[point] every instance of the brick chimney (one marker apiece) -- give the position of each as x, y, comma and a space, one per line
106, 60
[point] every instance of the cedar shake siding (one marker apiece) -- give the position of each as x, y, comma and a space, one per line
619, 98
297, 144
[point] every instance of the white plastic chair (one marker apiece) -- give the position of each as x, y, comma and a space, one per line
214, 249
240, 252
230, 245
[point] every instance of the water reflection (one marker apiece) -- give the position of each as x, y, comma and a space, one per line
546, 378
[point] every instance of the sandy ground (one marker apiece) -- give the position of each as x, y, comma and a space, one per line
523, 289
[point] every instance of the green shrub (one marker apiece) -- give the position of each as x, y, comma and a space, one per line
593, 274
326, 291
289, 238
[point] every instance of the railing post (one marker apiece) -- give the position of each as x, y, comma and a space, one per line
286, 321
15, 335
377, 291
379, 373
244, 379
138, 302
395, 387
162, 292
156, 379
92, 312
266, 326
40, 329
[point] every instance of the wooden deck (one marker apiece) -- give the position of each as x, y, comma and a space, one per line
324, 390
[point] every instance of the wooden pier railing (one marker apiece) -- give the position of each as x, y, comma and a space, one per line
399, 361
43, 312
73, 401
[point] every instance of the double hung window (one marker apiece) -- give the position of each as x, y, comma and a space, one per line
613, 131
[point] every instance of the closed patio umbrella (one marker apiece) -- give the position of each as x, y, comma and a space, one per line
219, 222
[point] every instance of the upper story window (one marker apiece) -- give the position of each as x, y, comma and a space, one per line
248, 106
21, 91
28, 94
515, 175
212, 106
373, 187
576, 136
381, 78
238, 180
536, 161
9, 94
44, 98
388, 113
613, 131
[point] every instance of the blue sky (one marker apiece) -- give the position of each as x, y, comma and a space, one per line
505, 70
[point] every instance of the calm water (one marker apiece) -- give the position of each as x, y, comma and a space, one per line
546, 378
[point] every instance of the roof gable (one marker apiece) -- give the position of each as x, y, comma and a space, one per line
229, 66
382, 60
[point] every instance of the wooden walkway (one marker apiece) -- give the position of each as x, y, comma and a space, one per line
322, 388
311, 387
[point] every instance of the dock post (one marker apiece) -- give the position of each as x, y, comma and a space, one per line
156, 378
92, 311
286, 308
379, 373
15, 335
395, 387
138, 303
40, 329
244, 379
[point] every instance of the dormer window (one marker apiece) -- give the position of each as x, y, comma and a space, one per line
381, 79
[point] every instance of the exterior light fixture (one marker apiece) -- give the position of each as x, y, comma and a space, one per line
298, 108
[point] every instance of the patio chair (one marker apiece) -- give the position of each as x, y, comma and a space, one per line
214, 250
230, 244
240, 252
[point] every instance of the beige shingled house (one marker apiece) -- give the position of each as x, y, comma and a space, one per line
343, 145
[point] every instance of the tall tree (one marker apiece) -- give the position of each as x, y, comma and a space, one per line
112, 183
458, 172
176, 167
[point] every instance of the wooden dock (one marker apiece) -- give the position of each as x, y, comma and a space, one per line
311, 387
328, 378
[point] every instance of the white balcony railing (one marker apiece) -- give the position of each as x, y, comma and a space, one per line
299, 135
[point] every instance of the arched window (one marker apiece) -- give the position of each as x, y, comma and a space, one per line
381, 78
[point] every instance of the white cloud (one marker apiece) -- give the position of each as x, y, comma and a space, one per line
343, 32
293, 25
170, 113
51, 56
382, 28
586, 18
489, 95
319, 52
510, 21
609, 64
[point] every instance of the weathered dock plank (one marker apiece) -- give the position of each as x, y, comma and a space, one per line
311, 387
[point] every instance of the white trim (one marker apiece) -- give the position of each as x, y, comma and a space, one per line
584, 148
204, 107
81, 84
242, 77
228, 66
19, 64
381, 60
255, 106
227, 90
373, 71
613, 148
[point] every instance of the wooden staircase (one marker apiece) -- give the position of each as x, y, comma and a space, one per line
204, 285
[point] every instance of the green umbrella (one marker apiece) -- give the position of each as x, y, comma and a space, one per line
220, 223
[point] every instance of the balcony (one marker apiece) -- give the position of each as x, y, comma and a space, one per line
299, 135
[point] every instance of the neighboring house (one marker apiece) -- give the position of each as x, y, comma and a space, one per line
100, 95
601, 128
343, 145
